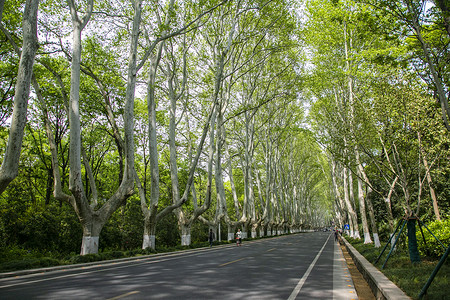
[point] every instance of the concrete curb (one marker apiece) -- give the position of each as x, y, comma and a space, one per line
381, 286
99, 263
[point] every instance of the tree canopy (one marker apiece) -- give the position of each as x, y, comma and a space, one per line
133, 124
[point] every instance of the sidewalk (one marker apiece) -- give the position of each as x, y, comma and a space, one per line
381, 286
343, 287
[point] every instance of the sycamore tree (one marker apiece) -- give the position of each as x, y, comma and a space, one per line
171, 61
10, 162
92, 209
267, 76
337, 95
425, 28
367, 116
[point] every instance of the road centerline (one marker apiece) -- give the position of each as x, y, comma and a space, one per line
124, 295
231, 262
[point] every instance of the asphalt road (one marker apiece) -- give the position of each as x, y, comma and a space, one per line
300, 266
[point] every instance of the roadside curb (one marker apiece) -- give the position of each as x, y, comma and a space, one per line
381, 286
94, 264
75, 266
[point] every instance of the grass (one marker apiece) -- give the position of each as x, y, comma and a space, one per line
411, 278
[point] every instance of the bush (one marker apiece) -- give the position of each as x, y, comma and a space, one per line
441, 229
409, 277
80, 259
30, 263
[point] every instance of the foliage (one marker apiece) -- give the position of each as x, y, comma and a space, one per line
30, 263
285, 104
431, 247
410, 278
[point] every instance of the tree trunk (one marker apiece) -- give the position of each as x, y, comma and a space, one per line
362, 209
350, 211
185, 234
353, 204
10, 164
339, 201
149, 240
93, 221
414, 255
429, 181
442, 97
91, 233
373, 223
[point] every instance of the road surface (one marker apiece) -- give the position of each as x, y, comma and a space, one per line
299, 266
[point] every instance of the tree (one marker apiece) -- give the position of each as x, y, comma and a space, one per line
169, 43
91, 218
416, 21
10, 163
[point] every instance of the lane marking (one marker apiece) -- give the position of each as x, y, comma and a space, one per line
305, 276
123, 265
231, 262
124, 295
271, 249
84, 270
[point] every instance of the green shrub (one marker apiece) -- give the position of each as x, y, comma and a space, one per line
29, 263
79, 259
409, 277
441, 229
147, 251
48, 262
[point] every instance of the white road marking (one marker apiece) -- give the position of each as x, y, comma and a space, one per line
127, 264
305, 276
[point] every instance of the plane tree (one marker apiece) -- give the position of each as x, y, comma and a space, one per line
10, 161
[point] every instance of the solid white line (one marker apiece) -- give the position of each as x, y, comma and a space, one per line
305, 276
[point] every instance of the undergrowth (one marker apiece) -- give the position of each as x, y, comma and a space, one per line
15, 259
409, 277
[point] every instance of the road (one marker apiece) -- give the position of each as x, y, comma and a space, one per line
300, 266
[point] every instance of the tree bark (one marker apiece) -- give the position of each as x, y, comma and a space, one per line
10, 164
430, 182
92, 221
362, 209
443, 100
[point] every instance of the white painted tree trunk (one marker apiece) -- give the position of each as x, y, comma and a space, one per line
89, 245
150, 211
339, 199
185, 235
376, 240
148, 242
